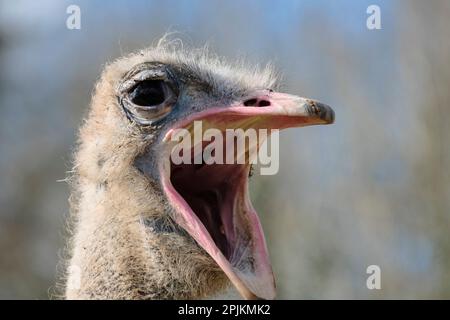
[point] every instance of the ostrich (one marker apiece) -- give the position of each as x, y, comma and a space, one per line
145, 228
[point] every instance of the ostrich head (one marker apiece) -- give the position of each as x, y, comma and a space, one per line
149, 228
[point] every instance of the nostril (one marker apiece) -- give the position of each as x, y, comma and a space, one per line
264, 103
250, 102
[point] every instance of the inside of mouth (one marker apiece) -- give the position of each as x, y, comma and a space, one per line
215, 194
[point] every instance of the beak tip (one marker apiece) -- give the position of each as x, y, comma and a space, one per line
328, 115
321, 110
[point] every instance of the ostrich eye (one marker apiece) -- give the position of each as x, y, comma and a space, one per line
149, 93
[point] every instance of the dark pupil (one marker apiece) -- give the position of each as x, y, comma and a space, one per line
148, 93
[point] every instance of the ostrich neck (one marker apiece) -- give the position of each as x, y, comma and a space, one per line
125, 247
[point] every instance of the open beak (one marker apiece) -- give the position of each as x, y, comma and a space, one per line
211, 201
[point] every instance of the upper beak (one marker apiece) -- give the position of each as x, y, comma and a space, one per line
275, 110
309, 111
263, 110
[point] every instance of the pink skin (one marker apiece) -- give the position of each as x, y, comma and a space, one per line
279, 111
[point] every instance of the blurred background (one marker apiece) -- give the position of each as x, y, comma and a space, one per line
374, 188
